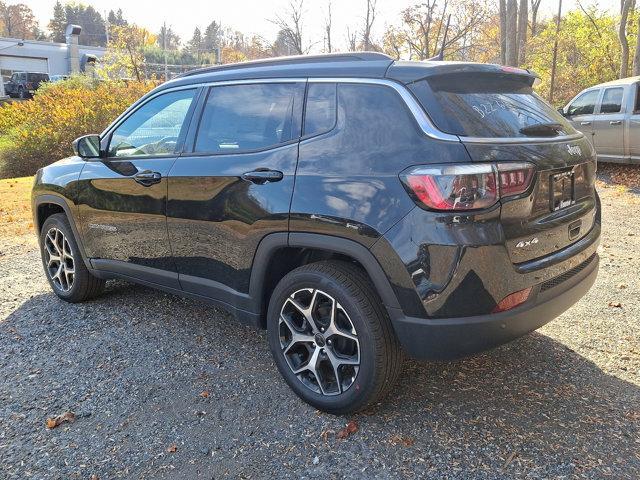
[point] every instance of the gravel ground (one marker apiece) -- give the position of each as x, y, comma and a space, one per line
164, 387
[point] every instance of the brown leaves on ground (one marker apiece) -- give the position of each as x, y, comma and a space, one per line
613, 174
401, 440
615, 304
65, 417
172, 448
204, 394
351, 428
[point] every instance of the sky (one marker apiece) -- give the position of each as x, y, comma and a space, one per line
252, 16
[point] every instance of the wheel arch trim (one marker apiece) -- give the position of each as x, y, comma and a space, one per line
275, 241
61, 202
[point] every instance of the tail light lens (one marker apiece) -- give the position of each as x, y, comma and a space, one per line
467, 186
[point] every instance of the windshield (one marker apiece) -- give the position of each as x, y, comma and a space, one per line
488, 105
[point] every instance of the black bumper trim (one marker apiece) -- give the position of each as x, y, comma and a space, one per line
445, 339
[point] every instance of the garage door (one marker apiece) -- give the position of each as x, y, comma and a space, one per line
24, 64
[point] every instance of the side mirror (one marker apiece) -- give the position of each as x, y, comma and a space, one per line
87, 146
562, 112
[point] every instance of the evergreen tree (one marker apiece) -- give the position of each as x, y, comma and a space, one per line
117, 18
92, 23
194, 46
212, 35
58, 24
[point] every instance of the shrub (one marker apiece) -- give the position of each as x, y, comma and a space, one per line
38, 132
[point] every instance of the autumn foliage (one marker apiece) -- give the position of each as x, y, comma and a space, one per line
39, 132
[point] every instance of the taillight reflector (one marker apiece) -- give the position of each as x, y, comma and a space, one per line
513, 300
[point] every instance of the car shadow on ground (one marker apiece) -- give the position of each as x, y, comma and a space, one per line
531, 405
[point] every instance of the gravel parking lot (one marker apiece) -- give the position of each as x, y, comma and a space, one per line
164, 387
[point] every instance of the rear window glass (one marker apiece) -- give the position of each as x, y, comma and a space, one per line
38, 77
320, 112
486, 106
612, 100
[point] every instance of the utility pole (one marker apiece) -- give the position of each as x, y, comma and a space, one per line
106, 25
164, 49
555, 54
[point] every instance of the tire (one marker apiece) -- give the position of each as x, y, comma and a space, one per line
361, 331
63, 265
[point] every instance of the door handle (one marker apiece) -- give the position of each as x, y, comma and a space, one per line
147, 178
263, 175
585, 123
615, 122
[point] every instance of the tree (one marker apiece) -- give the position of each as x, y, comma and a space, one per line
523, 19
93, 25
116, 18
126, 53
535, 6
290, 26
352, 40
212, 36
194, 46
167, 38
327, 29
625, 7
369, 18
58, 24
511, 33
18, 21
636, 57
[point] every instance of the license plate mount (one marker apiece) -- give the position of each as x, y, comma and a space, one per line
561, 190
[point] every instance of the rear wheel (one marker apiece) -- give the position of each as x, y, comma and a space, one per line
331, 337
68, 276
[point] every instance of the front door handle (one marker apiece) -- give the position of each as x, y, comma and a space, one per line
615, 122
585, 123
147, 178
263, 175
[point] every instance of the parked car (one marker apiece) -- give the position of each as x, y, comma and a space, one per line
354, 206
58, 78
609, 115
24, 84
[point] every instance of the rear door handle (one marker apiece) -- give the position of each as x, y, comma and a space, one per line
147, 178
615, 122
585, 123
263, 175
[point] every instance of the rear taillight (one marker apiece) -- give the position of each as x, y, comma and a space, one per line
467, 186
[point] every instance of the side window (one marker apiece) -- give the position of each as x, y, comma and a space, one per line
154, 128
612, 100
637, 107
239, 118
583, 105
320, 111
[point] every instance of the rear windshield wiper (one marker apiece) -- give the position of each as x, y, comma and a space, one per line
543, 129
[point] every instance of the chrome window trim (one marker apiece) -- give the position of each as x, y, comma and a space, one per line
421, 117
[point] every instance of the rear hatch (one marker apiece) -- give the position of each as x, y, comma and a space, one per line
500, 119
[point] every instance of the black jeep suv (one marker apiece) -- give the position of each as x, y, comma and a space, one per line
354, 206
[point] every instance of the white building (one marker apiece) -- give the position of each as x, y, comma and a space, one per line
46, 57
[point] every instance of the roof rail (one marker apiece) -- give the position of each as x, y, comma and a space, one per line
266, 62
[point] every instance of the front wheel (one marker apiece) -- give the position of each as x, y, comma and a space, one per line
331, 337
66, 272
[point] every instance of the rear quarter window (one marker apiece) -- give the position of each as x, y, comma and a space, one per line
485, 105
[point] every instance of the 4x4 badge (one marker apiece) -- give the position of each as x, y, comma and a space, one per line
526, 243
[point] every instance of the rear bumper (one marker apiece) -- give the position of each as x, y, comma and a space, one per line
448, 338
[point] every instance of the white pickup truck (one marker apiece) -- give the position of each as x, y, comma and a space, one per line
609, 115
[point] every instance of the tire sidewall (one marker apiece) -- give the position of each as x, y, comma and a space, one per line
59, 222
359, 392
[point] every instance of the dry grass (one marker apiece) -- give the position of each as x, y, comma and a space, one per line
15, 209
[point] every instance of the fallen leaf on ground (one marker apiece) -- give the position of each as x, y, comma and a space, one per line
352, 427
509, 459
401, 440
615, 304
204, 394
172, 448
65, 417
325, 434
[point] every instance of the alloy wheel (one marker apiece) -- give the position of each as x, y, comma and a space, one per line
319, 341
59, 259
